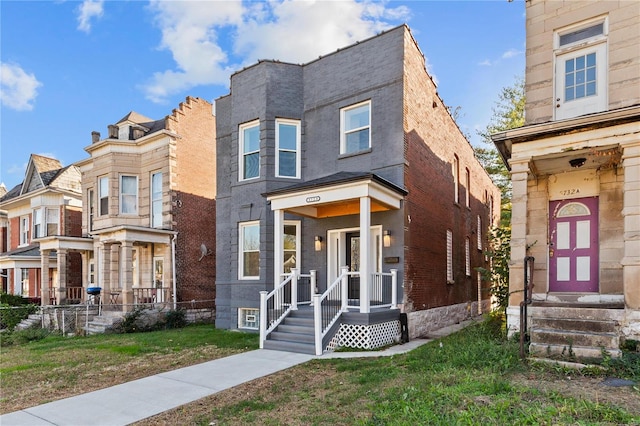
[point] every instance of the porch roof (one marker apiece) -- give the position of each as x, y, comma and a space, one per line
122, 233
337, 195
24, 257
64, 242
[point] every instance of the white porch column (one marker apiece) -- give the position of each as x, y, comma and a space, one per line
278, 236
631, 214
45, 297
126, 260
365, 247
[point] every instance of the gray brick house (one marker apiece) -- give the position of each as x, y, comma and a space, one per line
308, 158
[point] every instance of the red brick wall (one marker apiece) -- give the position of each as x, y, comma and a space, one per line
432, 138
194, 199
14, 232
72, 223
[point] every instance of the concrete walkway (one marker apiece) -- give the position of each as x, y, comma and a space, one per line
133, 401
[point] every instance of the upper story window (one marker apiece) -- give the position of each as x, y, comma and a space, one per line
156, 200
91, 208
53, 221
467, 257
479, 233
250, 150
37, 223
355, 128
288, 148
581, 69
24, 230
449, 256
456, 179
249, 250
467, 186
103, 195
128, 194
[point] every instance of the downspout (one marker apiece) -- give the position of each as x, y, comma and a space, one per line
173, 269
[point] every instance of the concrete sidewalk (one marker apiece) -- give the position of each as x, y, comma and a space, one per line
133, 401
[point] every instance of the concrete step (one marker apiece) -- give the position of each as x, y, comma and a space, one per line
303, 348
574, 338
551, 351
282, 336
576, 312
584, 325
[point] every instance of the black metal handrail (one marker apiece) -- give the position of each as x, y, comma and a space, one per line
528, 287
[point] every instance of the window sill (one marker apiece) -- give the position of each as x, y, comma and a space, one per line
354, 154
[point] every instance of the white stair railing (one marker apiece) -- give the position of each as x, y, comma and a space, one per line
328, 307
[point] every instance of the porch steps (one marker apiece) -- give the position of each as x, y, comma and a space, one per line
573, 332
103, 323
295, 334
32, 321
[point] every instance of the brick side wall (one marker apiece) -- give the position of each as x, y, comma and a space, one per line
194, 188
431, 140
72, 223
14, 232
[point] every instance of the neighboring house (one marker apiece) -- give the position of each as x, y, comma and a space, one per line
575, 169
149, 219
353, 161
47, 204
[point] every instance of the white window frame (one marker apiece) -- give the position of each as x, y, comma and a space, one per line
295, 223
456, 179
24, 230
241, 250
467, 187
122, 195
242, 315
344, 131
91, 210
450, 278
155, 197
590, 44
241, 154
37, 222
479, 231
24, 282
103, 194
279, 149
467, 256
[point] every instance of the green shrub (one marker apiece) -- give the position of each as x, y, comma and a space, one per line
175, 318
13, 300
10, 316
24, 336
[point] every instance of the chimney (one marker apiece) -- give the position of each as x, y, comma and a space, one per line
95, 136
113, 131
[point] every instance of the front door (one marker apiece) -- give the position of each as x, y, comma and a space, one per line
353, 262
573, 245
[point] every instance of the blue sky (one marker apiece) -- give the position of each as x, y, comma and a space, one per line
71, 67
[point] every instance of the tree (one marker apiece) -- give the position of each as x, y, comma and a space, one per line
508, 113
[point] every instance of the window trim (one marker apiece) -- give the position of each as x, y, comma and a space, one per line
242, 154
25, 222
479, 231
450, 275
580, 44
37, 233
91, 209
298, 225
241, 315
297, 150
456, 179
467, 187
122, 194
343, 132
242, 251
47, 222
152, 210
102, 196
467, 256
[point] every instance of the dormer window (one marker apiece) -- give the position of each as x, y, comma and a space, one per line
581, 69
123, 132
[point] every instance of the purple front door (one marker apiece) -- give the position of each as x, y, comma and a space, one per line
573, 245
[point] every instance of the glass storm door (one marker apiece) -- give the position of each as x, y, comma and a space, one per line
353, 262
573, 245
158, 278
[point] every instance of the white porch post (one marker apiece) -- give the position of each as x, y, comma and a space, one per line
294, 289
394, 289
365, 247
44, 278
278, 235
263, 318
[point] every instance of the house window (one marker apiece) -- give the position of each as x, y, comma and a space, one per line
467, 257
467, 186
248, 318
250, 150
24, 282
91, 208
37, 223
355, 128
128, 194
449, 256
156, 200
456, 178
24, 230
288, 147
249, 261
479, 232
92, 270
53, 219
581, 69
103, 195
290, 246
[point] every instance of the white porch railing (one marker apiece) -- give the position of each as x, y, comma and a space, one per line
274, 306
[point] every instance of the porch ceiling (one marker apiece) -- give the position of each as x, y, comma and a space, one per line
337, 195
600, 158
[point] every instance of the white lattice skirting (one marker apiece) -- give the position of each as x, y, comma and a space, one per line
365, 336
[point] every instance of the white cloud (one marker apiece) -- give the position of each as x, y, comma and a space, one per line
18, 89
88, 10
287, 30
485, 63
511, 53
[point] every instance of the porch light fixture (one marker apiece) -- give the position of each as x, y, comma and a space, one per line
318, 242
578, 162
386, 238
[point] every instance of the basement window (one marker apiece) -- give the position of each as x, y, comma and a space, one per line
248, 318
